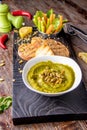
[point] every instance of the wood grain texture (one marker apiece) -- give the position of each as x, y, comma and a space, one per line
29, 107
77, 16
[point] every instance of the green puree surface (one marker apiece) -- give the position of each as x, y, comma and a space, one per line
51, 77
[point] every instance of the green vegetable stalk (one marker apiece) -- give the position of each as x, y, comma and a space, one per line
42, 27
35, 20
49, 22
5, 103
49, 12
39, 25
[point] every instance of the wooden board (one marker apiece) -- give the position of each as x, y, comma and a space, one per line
30, 107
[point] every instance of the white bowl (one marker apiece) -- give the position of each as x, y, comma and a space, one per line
60, 59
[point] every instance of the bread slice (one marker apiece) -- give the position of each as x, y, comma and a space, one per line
57, 47
44, 50
83, 56
40, 47
37, 40
27, 51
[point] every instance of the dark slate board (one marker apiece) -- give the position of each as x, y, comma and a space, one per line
30, 107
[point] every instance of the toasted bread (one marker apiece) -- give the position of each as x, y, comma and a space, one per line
57, 47
83, 56
44, 50
39, 47
36, 40
27, 51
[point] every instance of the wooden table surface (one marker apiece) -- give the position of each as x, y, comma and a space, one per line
76, 12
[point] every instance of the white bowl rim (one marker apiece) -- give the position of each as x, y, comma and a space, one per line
35, 60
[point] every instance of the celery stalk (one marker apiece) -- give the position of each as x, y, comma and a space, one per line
39, 25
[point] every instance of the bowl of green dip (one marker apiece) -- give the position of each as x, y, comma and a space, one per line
51, 75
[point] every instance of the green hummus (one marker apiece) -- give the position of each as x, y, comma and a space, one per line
51, 77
